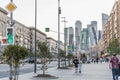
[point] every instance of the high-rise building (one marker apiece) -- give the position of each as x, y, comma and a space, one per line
66, 37
92, 30
84, 39
69, 34
94, 24
78, 27
104, 19
99, 34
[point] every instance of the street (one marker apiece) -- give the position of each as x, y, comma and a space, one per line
27, 68
89, 72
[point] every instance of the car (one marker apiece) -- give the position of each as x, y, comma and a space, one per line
29, 60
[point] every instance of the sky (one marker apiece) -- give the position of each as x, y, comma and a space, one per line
47, 16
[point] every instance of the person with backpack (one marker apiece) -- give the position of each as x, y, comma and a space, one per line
76, 62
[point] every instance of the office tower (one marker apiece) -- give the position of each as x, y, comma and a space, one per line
92, 31
69, 34
99, 34
78, 27
104, 19
84, 39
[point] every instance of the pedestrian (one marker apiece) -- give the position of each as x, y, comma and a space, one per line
80, 66
114, 66
76, 62
101, 59
97, 60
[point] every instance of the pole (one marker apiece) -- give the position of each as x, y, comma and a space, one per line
35, 35
11, 20
65, 38
59, 12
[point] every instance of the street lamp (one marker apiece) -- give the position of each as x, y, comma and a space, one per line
59, 12
35, 35
11, 19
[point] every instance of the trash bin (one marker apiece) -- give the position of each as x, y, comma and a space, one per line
119, 68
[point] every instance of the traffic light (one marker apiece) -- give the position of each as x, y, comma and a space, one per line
10, 35
47, 29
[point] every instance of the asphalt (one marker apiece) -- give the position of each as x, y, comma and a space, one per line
89, 72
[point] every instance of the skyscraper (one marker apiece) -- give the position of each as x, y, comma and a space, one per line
84, 39
69, 35
78, 27
104, 19
99, 34
71, 39
92, 31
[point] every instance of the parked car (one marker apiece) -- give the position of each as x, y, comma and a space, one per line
29, 60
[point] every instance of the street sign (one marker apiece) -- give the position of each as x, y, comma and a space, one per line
47, 29
11, 7
69, 47
4, 41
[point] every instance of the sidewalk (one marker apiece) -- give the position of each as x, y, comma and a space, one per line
89, 72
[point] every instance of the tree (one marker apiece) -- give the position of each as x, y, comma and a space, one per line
62, 54
63, 57
43, 51
15, 54
113, 46
69, 57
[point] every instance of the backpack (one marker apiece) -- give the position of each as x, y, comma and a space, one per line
75, 61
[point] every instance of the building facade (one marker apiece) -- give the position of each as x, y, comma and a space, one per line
23, 35
71, 39
112, 27
104, 19
78, 28
84, 39
52, 46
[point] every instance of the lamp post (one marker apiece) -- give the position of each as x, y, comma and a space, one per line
59, 12
11, 21
35, 35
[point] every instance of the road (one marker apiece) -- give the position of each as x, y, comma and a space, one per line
27, 68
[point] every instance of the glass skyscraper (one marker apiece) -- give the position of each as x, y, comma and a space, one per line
104, 19
78, 27
92, 31
84, 39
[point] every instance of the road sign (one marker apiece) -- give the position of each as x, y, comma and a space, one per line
4, 41
11, 7
47, 29
69, 47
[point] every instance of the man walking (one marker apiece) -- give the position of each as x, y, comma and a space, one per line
114, 63
76, 62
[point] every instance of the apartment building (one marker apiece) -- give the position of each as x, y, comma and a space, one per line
23, 35
52, 46
112, 27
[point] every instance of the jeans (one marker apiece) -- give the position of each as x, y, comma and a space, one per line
115, 73
80, 67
